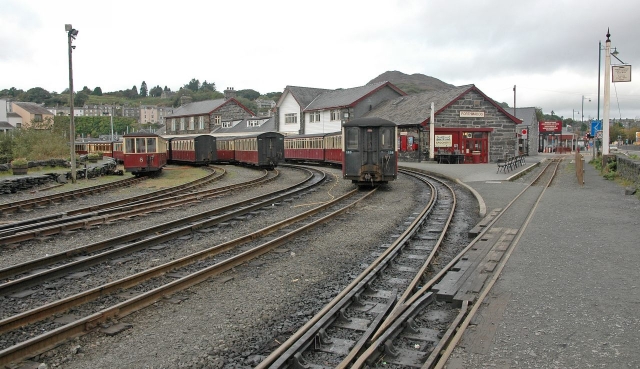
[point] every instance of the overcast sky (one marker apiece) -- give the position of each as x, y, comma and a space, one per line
547, 49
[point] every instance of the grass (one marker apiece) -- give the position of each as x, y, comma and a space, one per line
174, 175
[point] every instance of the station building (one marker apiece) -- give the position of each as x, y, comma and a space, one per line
467, 123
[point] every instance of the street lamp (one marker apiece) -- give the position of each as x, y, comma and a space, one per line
588, 98
105, 113
71, 33
573, 114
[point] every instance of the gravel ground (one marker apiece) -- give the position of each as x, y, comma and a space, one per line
235, 319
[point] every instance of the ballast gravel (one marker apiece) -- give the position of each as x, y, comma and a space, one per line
236, 319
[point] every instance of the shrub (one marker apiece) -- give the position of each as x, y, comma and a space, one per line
19, 163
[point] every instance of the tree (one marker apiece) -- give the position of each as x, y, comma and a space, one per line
37, 95
97, 91
194, 85
80, 98
248, 94
86, 90
156, 91
504, 105
143, 89
208, 86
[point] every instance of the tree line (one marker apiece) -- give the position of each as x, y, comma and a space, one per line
195, 89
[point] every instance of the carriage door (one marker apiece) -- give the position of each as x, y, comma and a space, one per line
370, 149
386, 151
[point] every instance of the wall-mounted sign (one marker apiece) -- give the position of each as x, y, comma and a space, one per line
548, 127
443, 141
471, 114
621, 73
523, 133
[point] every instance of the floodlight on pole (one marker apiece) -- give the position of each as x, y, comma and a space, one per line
71, 34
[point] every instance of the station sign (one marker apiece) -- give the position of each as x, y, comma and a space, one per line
471, 114
550, 127
621, 73
443, 141
524, 132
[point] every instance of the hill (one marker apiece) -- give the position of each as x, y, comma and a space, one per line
412, 84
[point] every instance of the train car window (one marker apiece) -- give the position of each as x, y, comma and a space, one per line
352, 138
151, 145
140, 147
386, 142
130, 145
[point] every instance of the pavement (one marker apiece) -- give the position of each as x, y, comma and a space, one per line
569, 294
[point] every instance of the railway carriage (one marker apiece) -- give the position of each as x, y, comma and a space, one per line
370, 151
197, 150
264, 150
118, 153
90, 147
319, 147
225, 149
144, 153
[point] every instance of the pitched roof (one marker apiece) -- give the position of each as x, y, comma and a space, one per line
304, 95
416, 109
33, 108
347, 97
6, 125
527, 115
203, 107
268, 124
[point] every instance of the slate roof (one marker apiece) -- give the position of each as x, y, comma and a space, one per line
347, 97
304, 95
416, 109
203, 107
33, 108
5, 125
268, 125
527, 115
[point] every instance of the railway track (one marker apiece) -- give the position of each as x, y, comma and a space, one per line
40, 319
19, 231
48, 200
109, 212
372, 324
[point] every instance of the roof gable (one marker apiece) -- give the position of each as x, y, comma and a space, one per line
303, 95
33, 108
348, 97
205, 107
416, 109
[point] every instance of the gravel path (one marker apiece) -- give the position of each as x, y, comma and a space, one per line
235, 319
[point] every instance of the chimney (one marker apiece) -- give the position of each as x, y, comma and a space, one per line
229, 93
185, 100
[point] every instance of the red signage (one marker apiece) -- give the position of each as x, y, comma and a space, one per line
547, 127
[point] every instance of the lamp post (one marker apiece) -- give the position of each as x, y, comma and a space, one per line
112, 112
588, 98
607, 95
573, 115
71, 34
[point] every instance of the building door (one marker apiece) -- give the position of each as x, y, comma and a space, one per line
476, 148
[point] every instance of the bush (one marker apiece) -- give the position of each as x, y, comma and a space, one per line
19, 163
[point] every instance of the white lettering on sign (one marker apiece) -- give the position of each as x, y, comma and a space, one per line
443, 141
471, 114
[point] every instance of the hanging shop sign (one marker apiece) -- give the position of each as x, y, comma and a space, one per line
621, 73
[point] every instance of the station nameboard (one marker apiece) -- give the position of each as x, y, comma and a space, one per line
547, 127
471, 114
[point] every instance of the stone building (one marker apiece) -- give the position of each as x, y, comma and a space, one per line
466, 122
205, 116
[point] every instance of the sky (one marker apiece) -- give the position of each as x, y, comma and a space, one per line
547, 49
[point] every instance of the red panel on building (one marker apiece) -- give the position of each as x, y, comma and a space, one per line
547, 127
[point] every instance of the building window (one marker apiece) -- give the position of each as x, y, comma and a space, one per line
252, 123
314, 116
37, 117
201, 122
226, 124
173, 123
291, 118
335, 114
191, 123
182, 124
217, 120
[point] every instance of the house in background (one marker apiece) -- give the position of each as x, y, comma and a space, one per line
31, 113
205, 116
304, 110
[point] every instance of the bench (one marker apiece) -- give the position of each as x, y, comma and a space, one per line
510, 163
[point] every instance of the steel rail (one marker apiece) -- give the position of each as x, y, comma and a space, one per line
11, 228
302, 338
160, 232
51, 339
